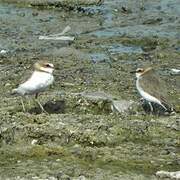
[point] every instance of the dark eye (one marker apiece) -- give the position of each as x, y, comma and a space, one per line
47, 65
140, 70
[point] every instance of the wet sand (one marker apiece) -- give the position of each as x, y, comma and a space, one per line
82, 137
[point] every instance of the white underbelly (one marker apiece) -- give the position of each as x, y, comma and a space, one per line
38, 82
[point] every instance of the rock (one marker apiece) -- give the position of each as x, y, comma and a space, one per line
80, 178
175, 71
166, 174
62, 176
98, 95
3, 51
121, 105
34, 141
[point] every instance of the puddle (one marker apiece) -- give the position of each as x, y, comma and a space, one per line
119, 48
73, 123
99, 57
163, 31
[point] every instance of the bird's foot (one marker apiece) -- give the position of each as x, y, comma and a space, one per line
44, 111
41, 107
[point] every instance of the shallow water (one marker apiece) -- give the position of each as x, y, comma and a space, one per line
82, 137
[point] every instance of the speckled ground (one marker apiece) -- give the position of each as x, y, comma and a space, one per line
82, 138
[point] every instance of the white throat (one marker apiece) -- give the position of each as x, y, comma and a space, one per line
138, 75
47, 70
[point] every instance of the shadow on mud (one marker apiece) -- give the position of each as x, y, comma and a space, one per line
51, 107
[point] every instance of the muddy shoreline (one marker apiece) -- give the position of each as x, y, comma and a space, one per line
83, 137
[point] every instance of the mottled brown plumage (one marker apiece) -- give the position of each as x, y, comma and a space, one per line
150, 82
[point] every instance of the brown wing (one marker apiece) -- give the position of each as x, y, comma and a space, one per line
155, 87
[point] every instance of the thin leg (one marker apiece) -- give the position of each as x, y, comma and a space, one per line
163, 107
39, 104
28, 100
151, 107
23, 105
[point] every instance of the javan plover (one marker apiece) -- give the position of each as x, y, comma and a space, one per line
150, 87
40, 79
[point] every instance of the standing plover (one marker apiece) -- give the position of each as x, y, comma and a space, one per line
150, 87
40, 79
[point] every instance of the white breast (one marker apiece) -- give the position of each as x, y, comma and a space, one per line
38, 82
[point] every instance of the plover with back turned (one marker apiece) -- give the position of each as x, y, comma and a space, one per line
40, 79
152, 89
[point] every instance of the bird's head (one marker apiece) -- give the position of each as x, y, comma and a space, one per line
140, 71
44, 66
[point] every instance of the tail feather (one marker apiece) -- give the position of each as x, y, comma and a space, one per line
169, 107
14, 91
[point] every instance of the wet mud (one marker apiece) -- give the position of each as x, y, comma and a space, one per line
96, 127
